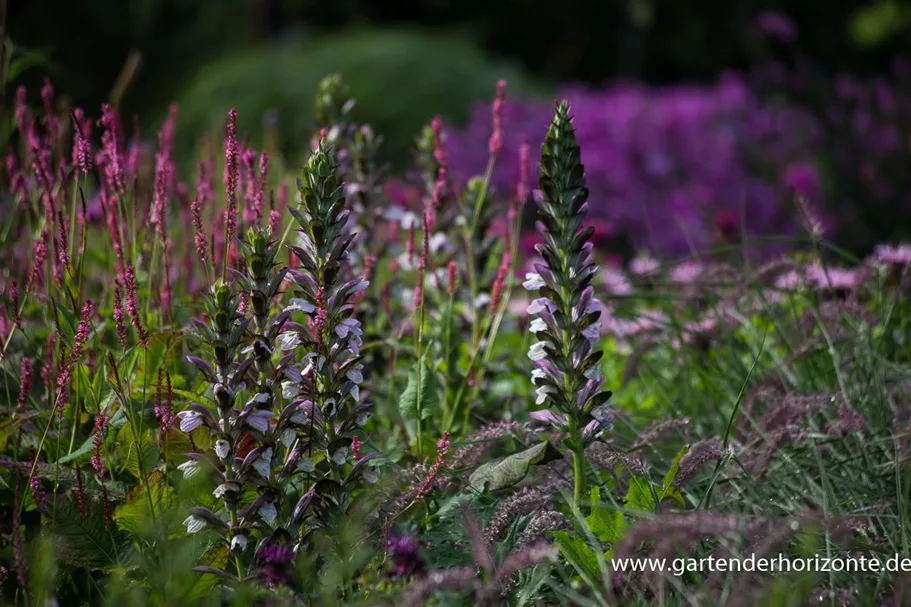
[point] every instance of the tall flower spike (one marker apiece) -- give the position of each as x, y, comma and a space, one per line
565, 315
328, 380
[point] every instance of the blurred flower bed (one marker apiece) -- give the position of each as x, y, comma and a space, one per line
680, 169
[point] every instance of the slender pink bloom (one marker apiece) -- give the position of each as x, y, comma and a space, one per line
199, 235
119, 320
250, 181
164, 172
39, 256
259, 196
522, 188
499, 284
82, 146
13, 294
79, 342
439, 154
101, 422
451, 277
23, 116
231, 176
110, 144
133, 305
495, 144
25, 381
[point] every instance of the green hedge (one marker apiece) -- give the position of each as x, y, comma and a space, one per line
400, 79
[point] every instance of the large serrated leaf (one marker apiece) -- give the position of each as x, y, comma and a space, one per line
84, 540
145, 503
508, 471
580, 555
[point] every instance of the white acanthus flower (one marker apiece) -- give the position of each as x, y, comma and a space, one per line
361, 419
305, 464
239, 543
537, 374
289, 340
301, 305
537, 325
542, 392
268, 512
370, 474
263, 463
537, 352
225, 488
533, 281
340, 456
222, 449
190, 468
194, 523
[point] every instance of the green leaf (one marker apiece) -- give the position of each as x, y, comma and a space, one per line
84, 541
408, 402
129, 451
143, 503
83, 452
640, 495
510, 470
608, 524
217, 556
580, 555
668, 489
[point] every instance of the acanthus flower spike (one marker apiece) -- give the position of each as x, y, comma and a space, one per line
566, 318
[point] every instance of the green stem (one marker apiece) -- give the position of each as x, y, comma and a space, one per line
578, 471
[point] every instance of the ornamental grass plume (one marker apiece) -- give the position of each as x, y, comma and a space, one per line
566, 316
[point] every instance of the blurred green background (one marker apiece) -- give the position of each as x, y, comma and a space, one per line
406, 61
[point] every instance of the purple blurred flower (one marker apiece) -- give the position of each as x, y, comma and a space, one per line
664, 165
404, 551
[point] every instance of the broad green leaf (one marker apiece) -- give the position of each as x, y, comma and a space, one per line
640, 495
580, 555
508, 471
408, 402
608, 524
